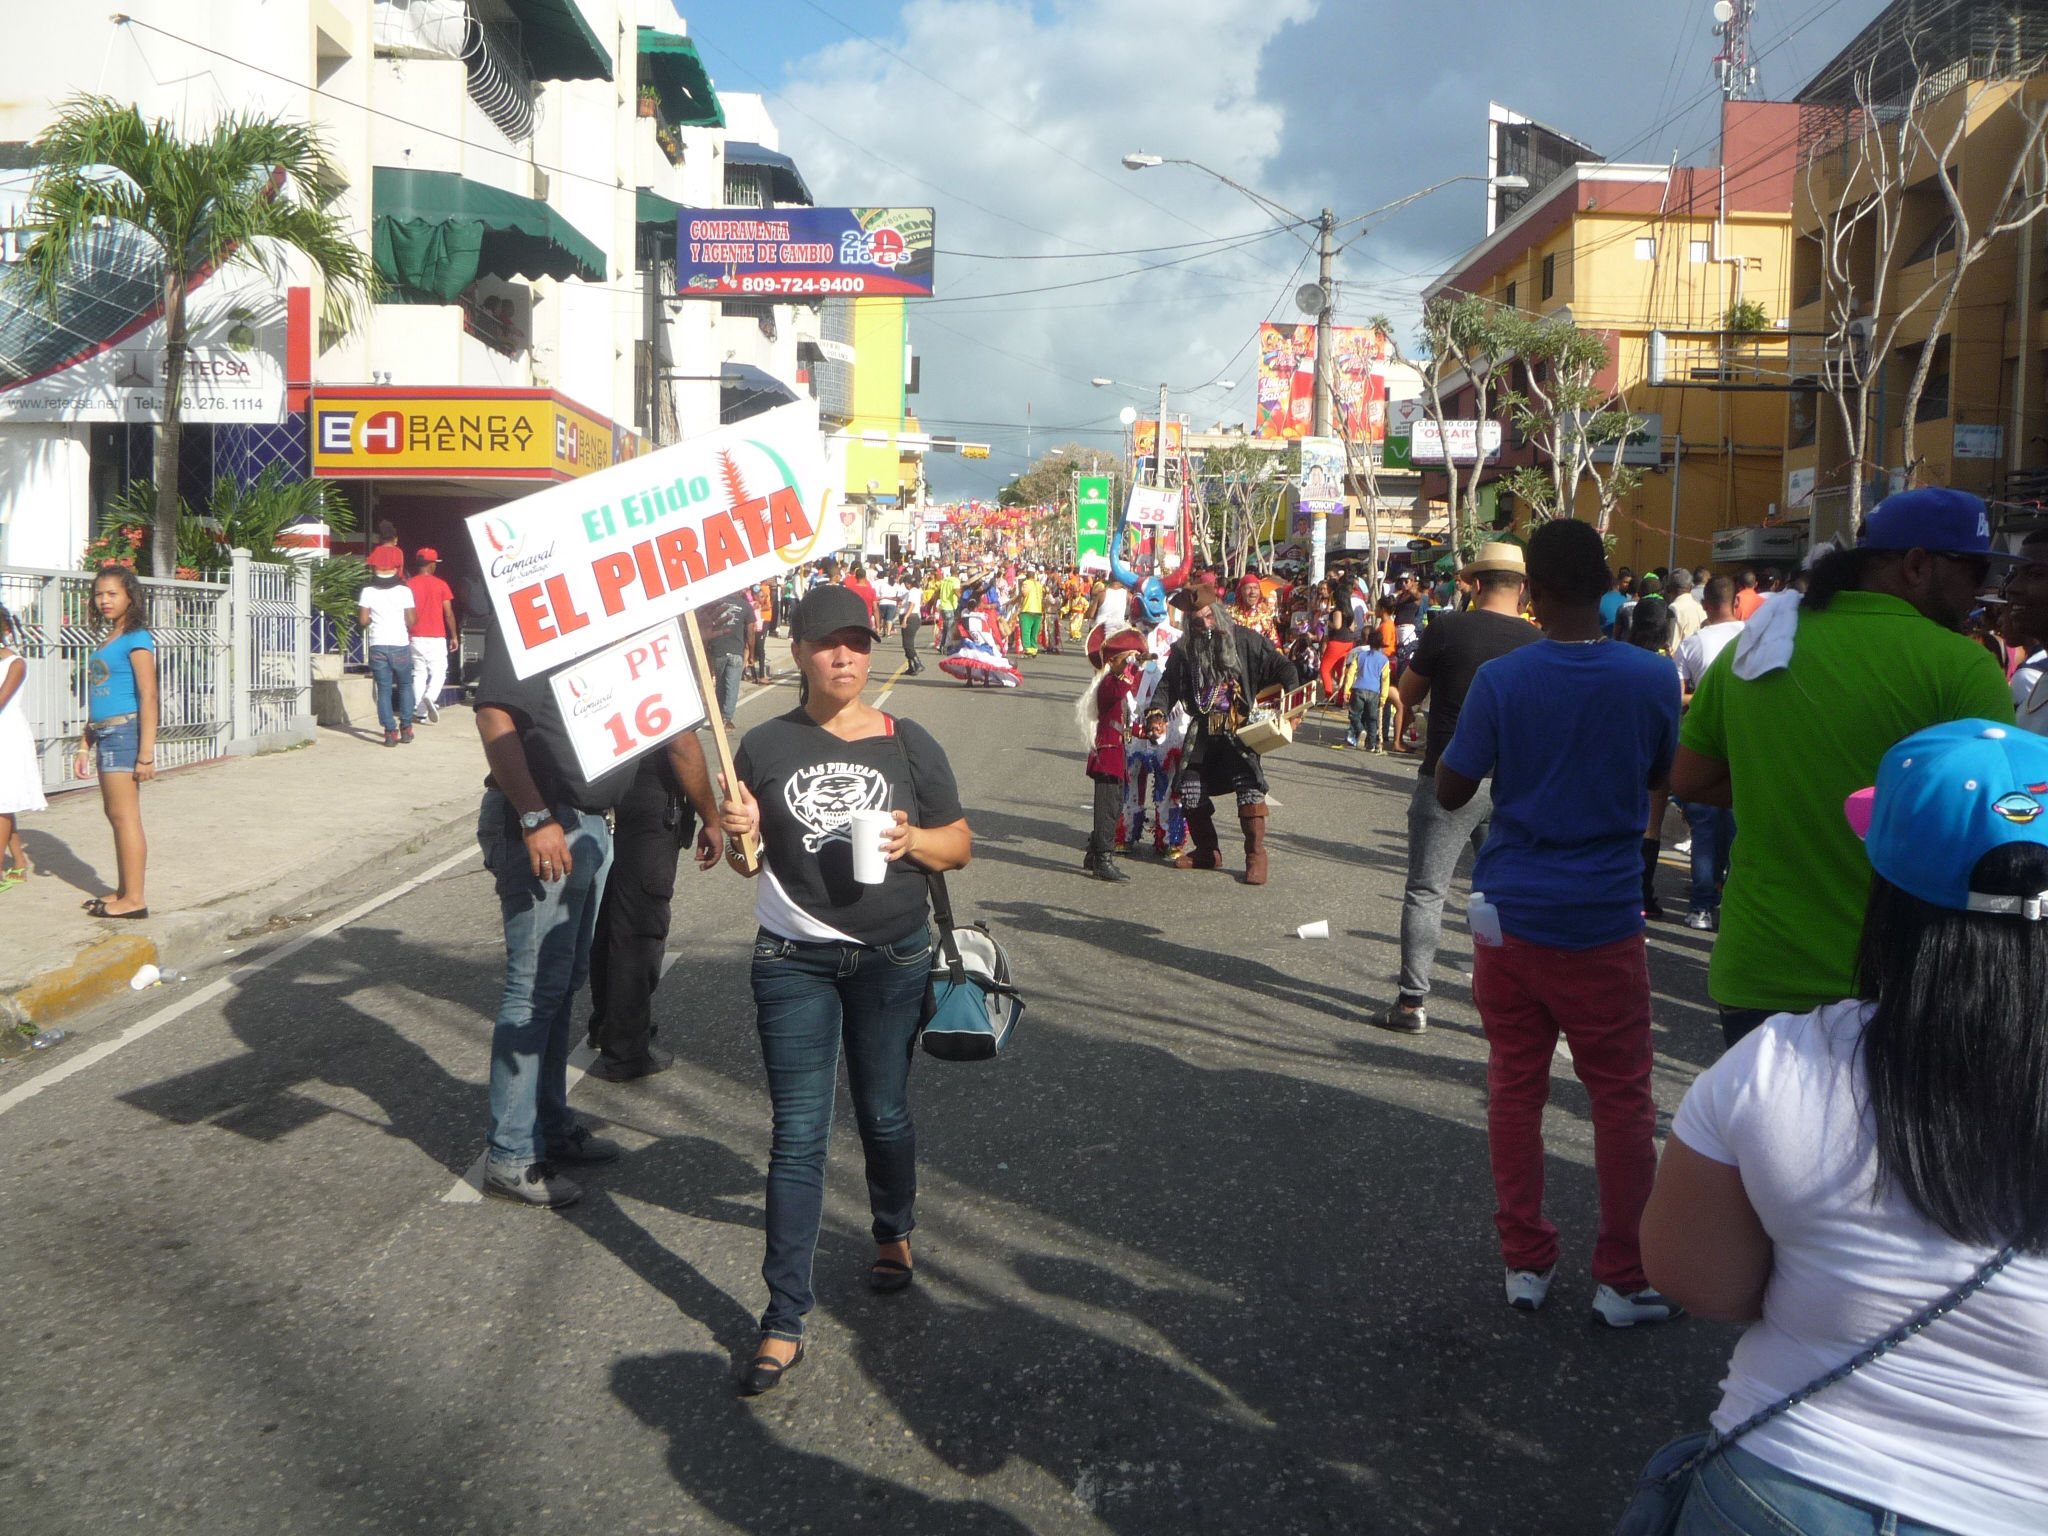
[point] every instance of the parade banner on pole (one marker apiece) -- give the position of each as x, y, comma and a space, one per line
1091, 517
573, 568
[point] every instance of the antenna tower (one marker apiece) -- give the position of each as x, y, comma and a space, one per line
1732, 64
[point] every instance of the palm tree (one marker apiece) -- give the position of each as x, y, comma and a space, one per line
251, 189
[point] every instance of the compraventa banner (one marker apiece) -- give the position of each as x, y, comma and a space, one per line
725, 253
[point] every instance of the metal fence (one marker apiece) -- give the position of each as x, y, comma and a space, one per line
233, 661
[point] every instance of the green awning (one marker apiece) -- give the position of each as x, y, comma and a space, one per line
434, 233
653, 208
558, 42
674, 68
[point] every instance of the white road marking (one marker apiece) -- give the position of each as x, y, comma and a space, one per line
212, 990
469, 1189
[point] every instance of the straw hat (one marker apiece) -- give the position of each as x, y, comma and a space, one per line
1500, 555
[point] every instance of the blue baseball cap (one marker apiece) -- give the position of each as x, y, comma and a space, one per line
1944, 798
1934, 518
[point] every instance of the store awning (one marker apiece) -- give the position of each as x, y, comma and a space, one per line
675, 69
434, 233
558, 42
788, 184
653, 208
744, 390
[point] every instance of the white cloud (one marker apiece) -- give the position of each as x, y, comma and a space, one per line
1036, 109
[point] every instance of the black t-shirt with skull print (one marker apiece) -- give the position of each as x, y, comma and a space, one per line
809, 782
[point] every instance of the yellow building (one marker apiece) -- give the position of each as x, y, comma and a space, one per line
1981, 421
1655, 258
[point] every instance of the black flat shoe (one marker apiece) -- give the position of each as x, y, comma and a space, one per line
764, 1373
888, 1277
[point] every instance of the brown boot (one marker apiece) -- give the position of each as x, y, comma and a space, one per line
1207, 852
1253, 819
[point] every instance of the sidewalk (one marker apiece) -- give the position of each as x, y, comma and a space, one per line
231, 845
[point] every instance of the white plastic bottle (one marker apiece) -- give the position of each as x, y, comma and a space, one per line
1484, 920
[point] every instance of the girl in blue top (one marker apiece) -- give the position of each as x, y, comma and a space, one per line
121, 714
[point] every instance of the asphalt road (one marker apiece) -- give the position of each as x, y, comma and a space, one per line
1204, 1252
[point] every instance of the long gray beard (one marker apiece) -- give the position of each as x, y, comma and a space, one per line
1215, 657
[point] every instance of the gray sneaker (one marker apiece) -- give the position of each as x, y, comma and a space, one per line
1633, 1310
535, 1184
581, 1146
1403, 1018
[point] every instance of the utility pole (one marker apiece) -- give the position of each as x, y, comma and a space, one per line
1326, 252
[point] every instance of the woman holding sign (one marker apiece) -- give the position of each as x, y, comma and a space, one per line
852, 806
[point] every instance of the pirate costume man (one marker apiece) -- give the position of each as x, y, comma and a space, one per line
1215, 672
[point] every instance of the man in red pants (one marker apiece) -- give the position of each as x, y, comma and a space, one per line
1575, 731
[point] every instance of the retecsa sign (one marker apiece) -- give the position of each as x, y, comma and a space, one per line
725, 253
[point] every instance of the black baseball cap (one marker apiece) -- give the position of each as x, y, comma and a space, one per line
825, 610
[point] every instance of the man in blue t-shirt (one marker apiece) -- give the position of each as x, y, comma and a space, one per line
1575, 731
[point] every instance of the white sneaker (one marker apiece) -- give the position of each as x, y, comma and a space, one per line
1527, 1287
1645, 1306
1682, 846
433, 713
1704, 921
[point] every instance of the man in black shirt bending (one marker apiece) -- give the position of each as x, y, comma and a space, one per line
1450, 650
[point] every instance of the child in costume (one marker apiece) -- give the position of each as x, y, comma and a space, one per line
1151, 760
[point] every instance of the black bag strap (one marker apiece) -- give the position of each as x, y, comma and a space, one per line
1926, 1317
942, 901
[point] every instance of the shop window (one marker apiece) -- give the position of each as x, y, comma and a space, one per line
1550, 275
1510, 301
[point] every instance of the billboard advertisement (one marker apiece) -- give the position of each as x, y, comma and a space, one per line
1426, 441
1322, 474
728, 253
1287, 381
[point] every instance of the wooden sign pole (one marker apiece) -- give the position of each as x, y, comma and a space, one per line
750, 851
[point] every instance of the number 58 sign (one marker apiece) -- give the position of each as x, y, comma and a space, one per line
628, 697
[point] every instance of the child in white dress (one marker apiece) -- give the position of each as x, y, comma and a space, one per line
21, 776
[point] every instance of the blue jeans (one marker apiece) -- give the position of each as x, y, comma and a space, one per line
1365, 716
1738, 1494
117, 746
1713, 834
392, 664
731, 672
548, 928
810, 998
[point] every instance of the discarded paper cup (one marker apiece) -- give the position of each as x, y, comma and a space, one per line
870, 867
1316, 930
147, 976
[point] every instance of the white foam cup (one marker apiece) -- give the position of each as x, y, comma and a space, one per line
870, 867
1315, 930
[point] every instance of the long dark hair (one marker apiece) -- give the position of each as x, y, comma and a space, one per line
1956, 1053
1840, 570
137, 616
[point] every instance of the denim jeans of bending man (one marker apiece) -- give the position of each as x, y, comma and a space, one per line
1713, 834
811, 999
392, 665
1740, 1494
731, 671
1435, 839
548, 928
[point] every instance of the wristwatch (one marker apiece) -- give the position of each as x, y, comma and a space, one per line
533, 821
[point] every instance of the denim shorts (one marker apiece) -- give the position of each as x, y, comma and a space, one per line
118, 746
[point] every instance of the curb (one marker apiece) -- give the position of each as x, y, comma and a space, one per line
101, 970
97, 973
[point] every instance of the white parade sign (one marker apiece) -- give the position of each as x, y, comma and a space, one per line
1153, 506
628, 698
577, 566
1466, 438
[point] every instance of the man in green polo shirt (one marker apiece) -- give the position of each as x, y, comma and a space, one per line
1793, 717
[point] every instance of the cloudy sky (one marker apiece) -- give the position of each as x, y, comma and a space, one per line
1057, 266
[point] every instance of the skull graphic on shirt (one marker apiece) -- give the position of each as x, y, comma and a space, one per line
824, 797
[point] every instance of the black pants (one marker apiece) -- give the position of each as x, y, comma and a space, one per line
911, 621
1109, 806
1737, 1022
654, 825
